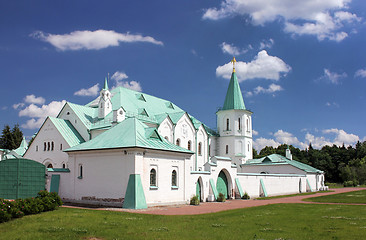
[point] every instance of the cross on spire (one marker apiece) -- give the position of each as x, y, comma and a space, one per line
233, 62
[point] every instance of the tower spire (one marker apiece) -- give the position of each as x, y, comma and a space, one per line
106, 83
233, 61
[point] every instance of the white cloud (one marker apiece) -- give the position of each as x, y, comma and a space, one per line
262, 66
33, 99
271, 89
18, 105
39, 114
361, 73
260, 143
317, 142
332, 76
288, 138
332, 104
33, 123
120, 76
266, 44
255, 133
231, 49
91, 40
323, 19
92, 91
341, 137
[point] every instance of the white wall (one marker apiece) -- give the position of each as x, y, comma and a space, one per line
48, 134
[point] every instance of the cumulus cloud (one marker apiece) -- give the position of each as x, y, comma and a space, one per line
361, 73
262, 66
119, 78
255, 133
33, 99
39, 113
288, 138
333, 77
231, 49
342, 137
91, 40
266, 44
18, 105
271, 89
92, 91
260, 143
323, 19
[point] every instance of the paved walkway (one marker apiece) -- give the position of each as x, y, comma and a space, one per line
210, 207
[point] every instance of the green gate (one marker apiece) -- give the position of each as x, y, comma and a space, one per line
198, 190
221, 185
21, 178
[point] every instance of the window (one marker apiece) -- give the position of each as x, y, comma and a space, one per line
52, 146
80, 171
248, 147
37, 148
49, 165
48, 146
61, 146
63, 165
247, 124
45, 146
227, 149
153, 178
239, 122
199, 148
189, 145
227, 124
177, 142
174, 178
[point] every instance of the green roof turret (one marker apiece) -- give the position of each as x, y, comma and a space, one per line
234, 98
105, 84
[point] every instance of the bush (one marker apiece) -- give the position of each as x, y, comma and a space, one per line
195, 200
45, 201
245, 196
221, 197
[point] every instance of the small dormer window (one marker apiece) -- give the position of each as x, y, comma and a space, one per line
68, 113
121, 112
107, 94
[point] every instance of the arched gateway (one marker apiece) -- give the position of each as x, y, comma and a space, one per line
222, 184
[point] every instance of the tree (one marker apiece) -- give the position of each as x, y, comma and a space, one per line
11, 138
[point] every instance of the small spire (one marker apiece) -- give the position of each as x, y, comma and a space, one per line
106, 84
233, 62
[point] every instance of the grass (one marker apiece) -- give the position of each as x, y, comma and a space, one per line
290, 195
349, 197
279, 221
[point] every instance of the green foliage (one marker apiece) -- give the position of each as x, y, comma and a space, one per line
45, 201
348, 197
11, 138
245, 196
221, 197
195, 200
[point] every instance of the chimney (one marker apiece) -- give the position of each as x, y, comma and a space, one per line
288, 153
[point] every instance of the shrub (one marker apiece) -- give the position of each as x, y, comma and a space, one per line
245, 196
195, 200
221, 197
348, 184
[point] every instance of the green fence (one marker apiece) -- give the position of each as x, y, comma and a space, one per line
21, 178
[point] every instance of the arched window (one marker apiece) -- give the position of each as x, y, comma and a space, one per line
227, 149
45, 146
199, 148
37, 148
166, 137
174, 178
50, 165
153, 178
227, 124
248, 124
177, 142
239, 123
248, 147
48, 146
61, 146
63, 165
80, 171
52, 146
189, 145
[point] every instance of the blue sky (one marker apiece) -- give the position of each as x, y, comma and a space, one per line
301, 64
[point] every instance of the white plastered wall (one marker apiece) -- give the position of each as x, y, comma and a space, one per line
68, 114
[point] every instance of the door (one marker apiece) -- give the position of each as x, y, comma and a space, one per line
221, 185
198, 190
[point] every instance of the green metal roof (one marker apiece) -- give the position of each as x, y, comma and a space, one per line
22, 148
68, 132
129, 133
276, 159
234, 98
87, 115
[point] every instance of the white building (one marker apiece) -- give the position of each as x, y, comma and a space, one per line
131, 148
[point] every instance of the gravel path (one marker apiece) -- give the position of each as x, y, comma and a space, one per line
210, 207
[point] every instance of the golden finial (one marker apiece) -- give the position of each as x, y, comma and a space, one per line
233, 62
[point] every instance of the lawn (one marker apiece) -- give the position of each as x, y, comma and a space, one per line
291, 195
349, 197
280, 221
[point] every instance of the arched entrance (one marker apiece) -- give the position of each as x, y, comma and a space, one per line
199, 189
222, 184
300, 186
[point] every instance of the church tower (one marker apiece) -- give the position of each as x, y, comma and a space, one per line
234, 124
105, 103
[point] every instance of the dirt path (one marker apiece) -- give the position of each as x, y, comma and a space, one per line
211, 207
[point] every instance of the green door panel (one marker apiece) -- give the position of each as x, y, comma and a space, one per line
221, 185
